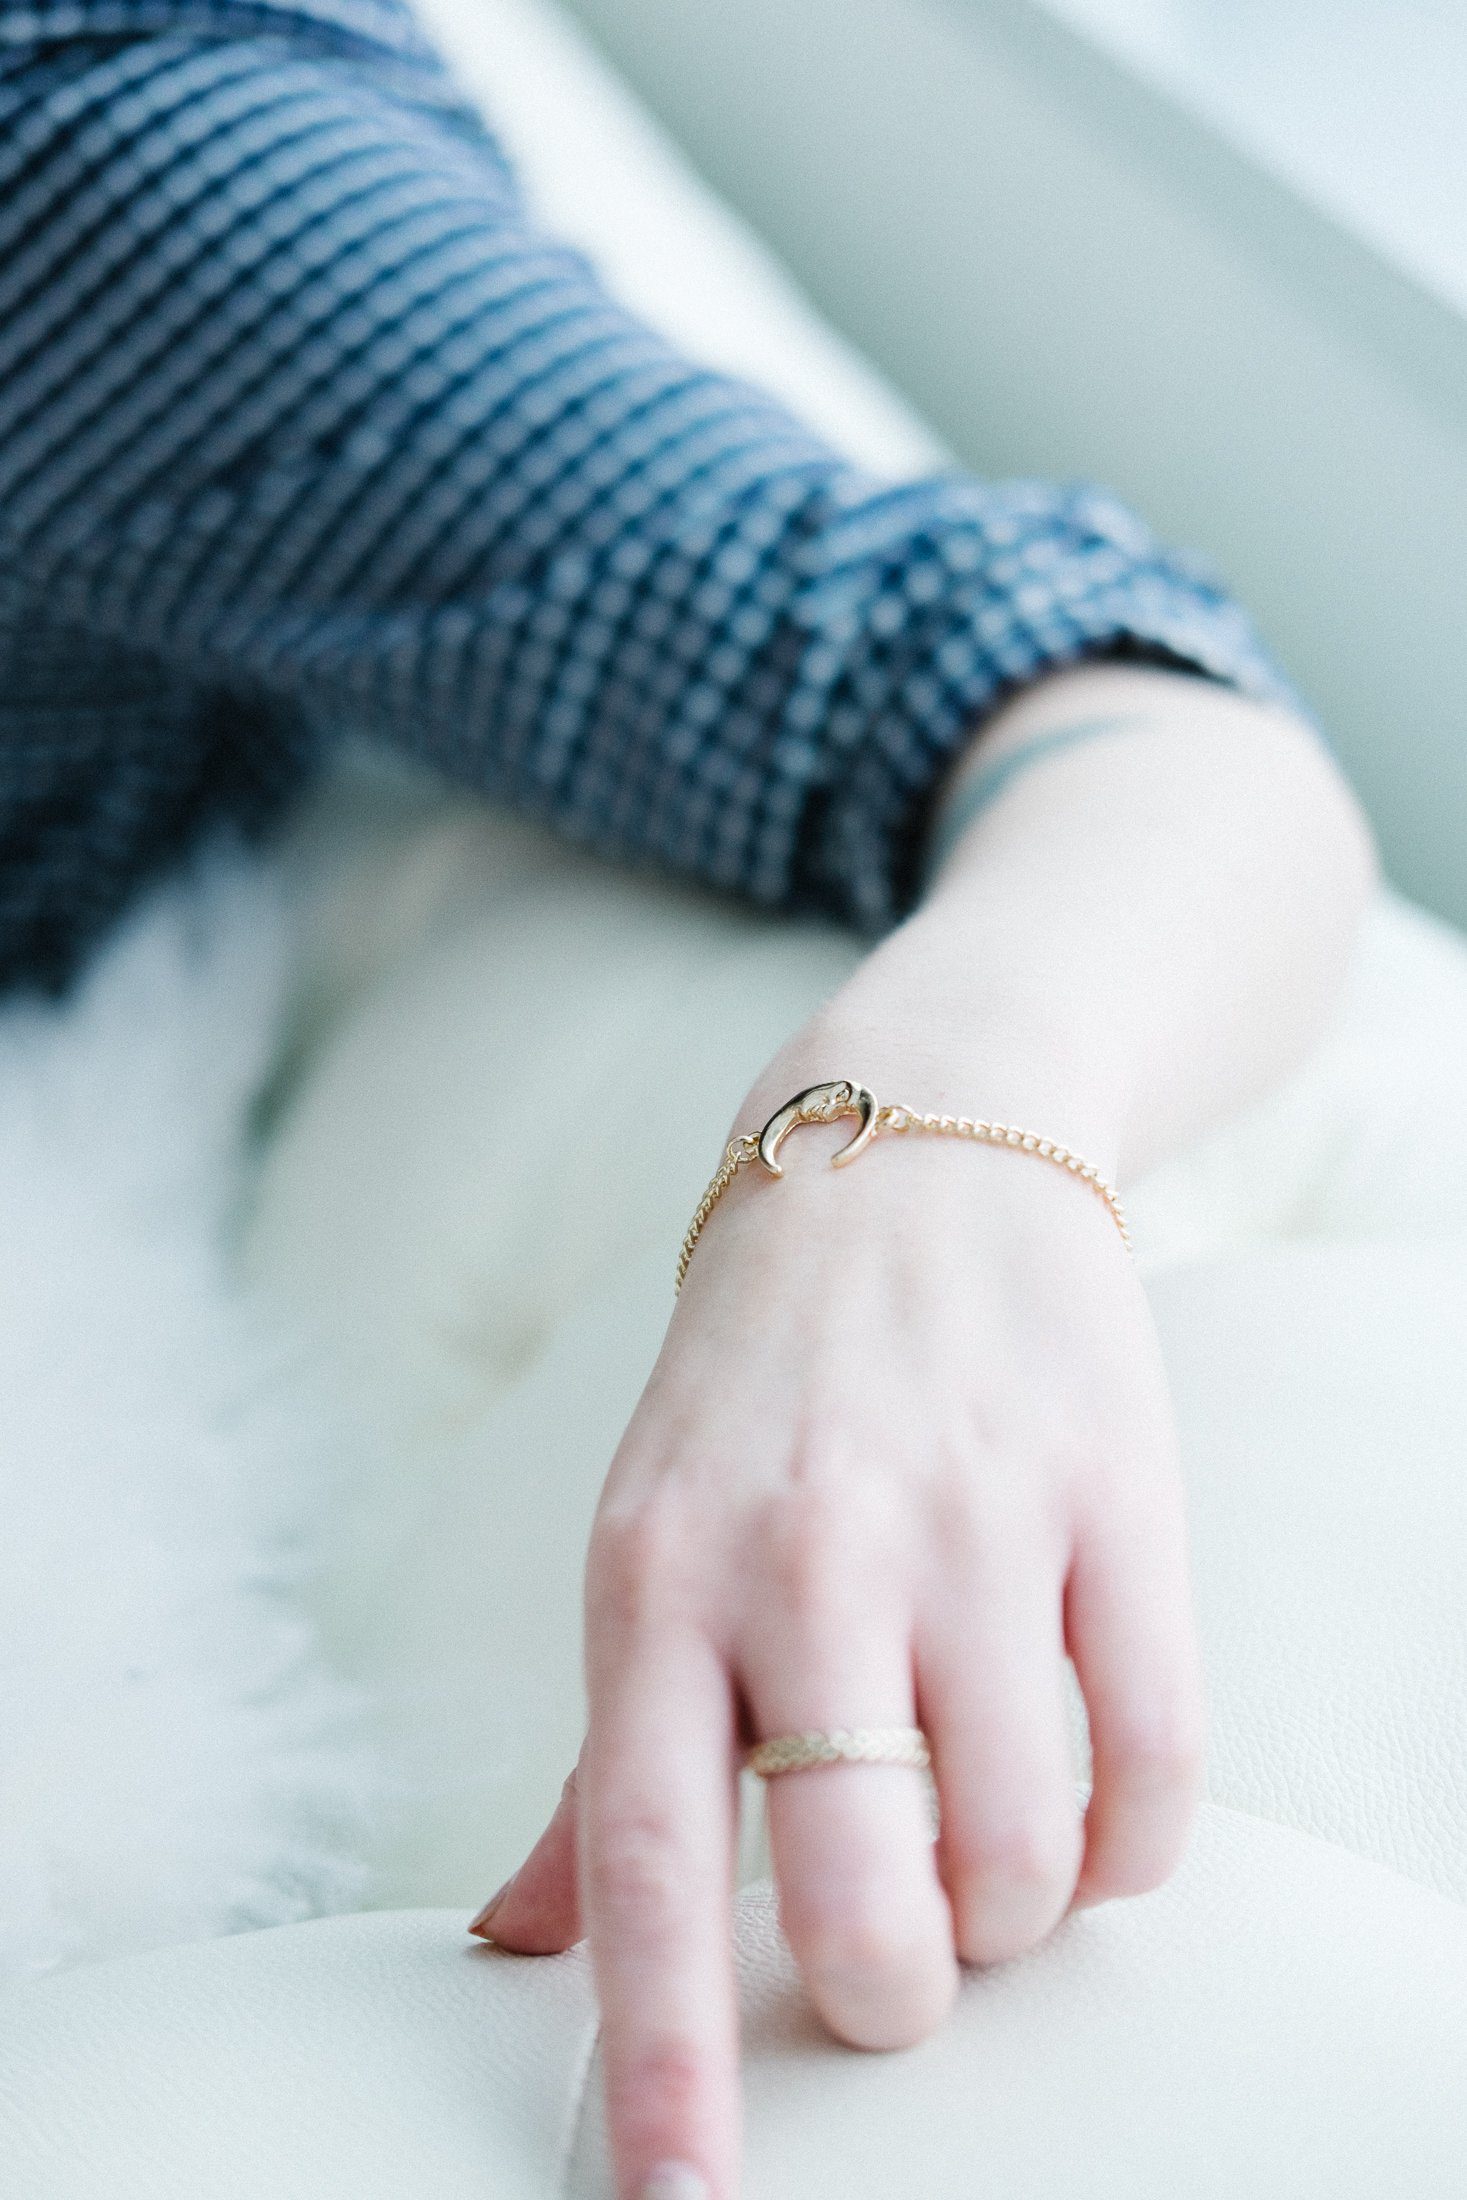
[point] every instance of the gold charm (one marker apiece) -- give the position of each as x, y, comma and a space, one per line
821, 1104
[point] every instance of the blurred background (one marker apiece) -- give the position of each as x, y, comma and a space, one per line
1212, 252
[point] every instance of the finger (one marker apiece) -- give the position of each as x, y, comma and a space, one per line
859, 1894
991, 1684
1134, 1646
538, 1911
658, 1804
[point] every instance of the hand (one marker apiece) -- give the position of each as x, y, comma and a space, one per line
906, 1446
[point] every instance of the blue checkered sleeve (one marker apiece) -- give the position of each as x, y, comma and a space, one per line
307, 427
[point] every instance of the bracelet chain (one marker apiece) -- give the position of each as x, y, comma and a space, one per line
823, 1103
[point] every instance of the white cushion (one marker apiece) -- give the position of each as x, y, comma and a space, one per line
1283, 2020
1322, 1394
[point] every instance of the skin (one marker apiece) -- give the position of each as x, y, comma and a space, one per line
908, 1448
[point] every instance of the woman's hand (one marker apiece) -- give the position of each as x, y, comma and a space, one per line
907, 1444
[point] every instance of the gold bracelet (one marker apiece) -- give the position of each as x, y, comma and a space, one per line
846, 1096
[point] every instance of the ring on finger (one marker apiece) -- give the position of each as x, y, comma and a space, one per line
857, 1745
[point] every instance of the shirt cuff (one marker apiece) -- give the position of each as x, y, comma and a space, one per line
998, 586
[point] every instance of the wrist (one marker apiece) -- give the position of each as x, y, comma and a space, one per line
935, 1030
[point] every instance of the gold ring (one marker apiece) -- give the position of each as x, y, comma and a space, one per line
857, 1745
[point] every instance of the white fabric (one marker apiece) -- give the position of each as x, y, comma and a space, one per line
1283, 2022
1323, 1403
173, 1759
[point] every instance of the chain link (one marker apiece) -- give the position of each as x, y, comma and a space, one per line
900, 1121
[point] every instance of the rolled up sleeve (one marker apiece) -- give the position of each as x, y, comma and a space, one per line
298, 400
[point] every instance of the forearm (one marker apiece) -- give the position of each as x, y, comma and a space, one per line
1140, 932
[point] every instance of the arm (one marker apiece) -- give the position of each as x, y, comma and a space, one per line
907, 1446
302, 417
1159, 914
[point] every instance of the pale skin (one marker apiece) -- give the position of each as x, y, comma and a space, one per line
907, 1447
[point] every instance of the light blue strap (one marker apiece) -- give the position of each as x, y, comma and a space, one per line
986, 786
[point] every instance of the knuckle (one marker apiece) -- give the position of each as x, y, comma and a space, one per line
864, 1941
803, 1558
960, 1513
638, 1554
1157, 1750
1013, 1888
881, 1977
660, 2091
812, 1542
661, 2082
984, 1507
636, 1875
1030, 1853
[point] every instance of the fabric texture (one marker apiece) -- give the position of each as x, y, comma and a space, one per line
307, 427
175, 1761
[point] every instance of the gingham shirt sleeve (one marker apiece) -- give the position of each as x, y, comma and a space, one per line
297, 400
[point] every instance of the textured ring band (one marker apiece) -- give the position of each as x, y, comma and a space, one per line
857, 1745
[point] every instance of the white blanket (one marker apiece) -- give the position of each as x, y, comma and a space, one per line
458, 1269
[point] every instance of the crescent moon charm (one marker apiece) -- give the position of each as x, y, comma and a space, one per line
821, 1104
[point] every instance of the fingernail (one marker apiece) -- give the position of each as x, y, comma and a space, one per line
676, 2181
480, 1924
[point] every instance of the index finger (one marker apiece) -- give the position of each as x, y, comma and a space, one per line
658, 1812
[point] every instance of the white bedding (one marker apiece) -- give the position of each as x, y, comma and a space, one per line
473, 1267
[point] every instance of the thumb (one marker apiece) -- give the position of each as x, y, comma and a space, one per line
538, 1912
